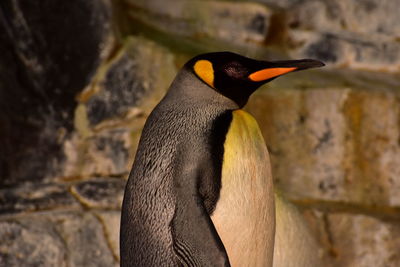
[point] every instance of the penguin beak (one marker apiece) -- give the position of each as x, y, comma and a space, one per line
278, 68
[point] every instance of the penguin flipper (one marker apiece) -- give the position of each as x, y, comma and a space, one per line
195, 239
196, 242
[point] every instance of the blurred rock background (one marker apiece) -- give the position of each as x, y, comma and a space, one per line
78, 79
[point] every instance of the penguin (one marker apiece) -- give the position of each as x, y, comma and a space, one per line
200, 191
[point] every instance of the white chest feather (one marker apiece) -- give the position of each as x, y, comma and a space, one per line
244, 215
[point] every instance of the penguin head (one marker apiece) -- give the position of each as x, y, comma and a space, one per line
237, 77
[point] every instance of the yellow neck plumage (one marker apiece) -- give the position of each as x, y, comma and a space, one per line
244, 214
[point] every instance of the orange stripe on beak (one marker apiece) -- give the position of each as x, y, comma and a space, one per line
266, 74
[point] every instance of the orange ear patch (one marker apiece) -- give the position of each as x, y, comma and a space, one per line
204, 69
266, 74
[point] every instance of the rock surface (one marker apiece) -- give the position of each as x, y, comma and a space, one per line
338, 144
362, 34
239, 22
100, 193
364, 241
41, 246
111, 222
48, 61
35, 197
109, 117
84, 237
55, 229
54, 239
77, 212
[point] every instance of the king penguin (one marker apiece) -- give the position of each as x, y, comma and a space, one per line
200, 192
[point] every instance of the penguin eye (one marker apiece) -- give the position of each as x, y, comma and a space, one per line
236, 70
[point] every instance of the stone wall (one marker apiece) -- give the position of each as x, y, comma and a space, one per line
79, 79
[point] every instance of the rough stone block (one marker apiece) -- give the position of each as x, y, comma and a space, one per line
364, 241
54, 239
84, 236
336, 144
304, 133
120, 90
106, 153
372, 17
283, 4
26, 242
140, 70
36, 197
51, 50
111, 221
356, 34
236, 22
113, 109
346, 50
100, 193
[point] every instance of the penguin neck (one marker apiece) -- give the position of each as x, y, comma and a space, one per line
187, 89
